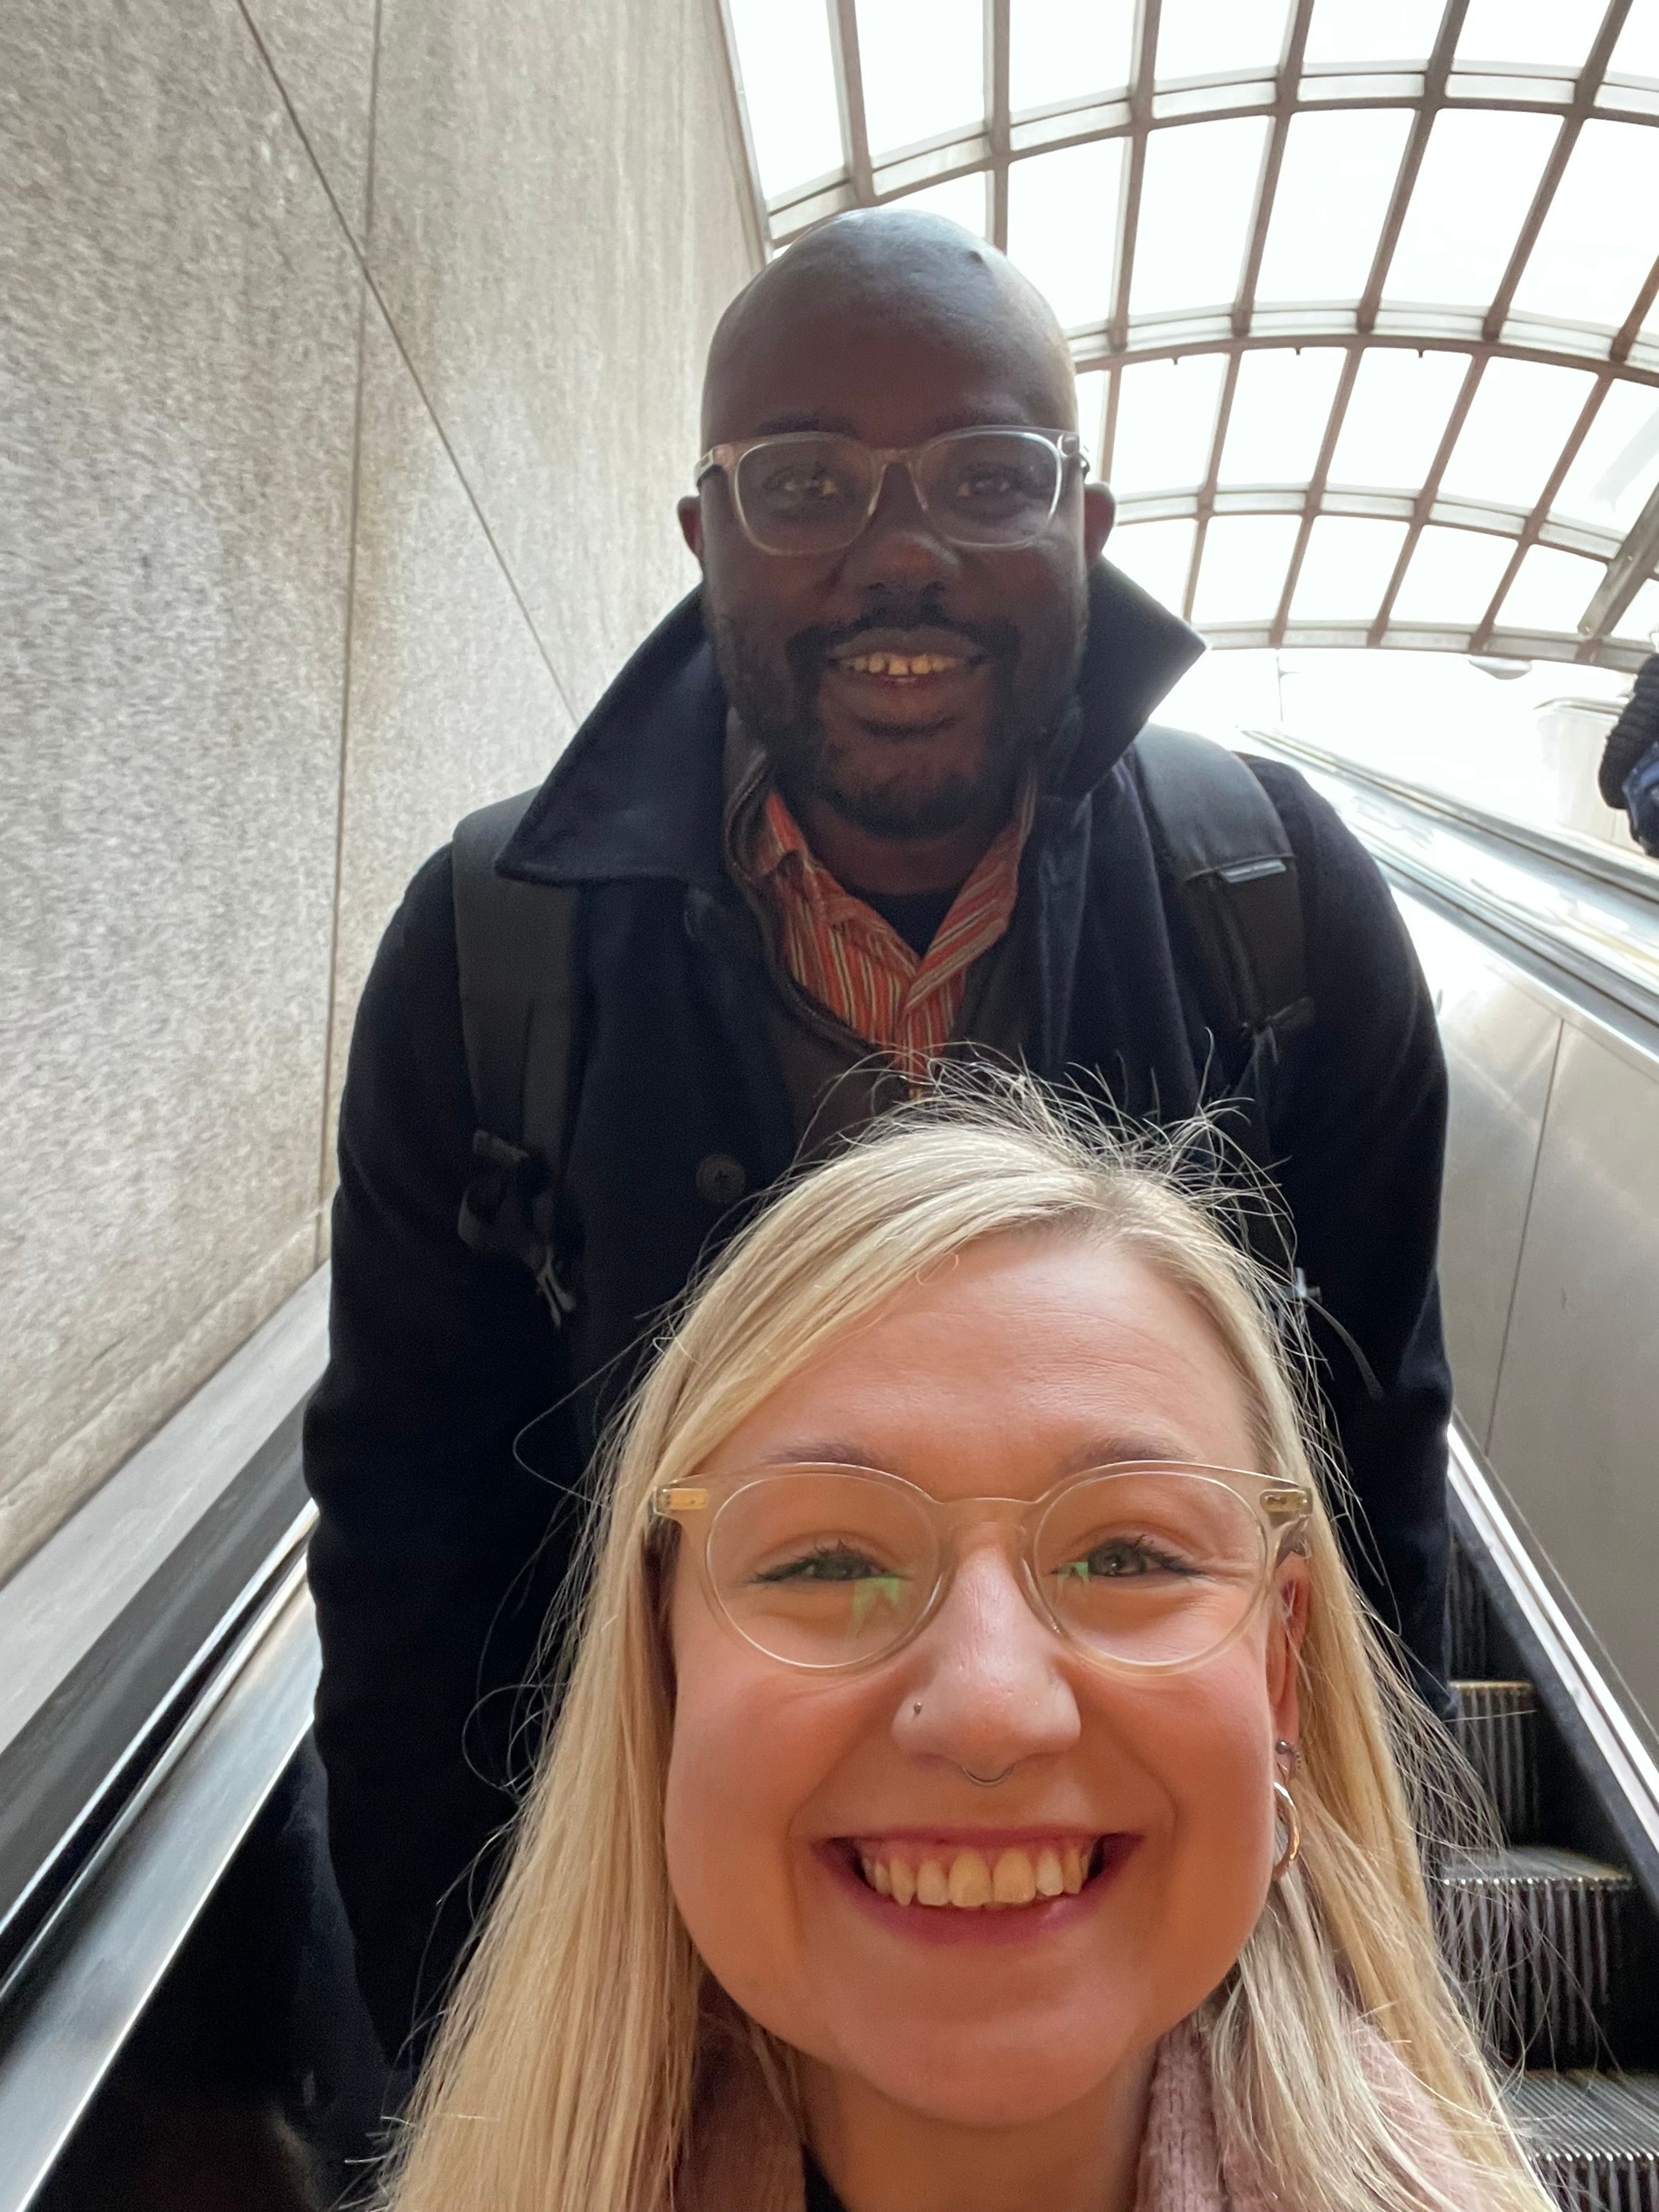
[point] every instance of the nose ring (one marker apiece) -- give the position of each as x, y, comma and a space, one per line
988, 1781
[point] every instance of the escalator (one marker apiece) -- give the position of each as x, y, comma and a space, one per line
172, 2037
1542, 950
1551, 1933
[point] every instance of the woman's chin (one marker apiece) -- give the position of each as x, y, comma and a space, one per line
964, 2080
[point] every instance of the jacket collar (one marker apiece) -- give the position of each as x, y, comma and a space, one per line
638, 791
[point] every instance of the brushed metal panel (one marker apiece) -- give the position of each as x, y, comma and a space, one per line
1500, 1042
1574, 1440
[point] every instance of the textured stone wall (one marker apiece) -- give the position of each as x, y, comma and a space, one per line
348, 362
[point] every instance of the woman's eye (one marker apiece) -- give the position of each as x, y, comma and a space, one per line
837, 1563
1118, 1558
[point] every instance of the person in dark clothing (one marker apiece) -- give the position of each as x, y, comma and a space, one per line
908, 670
1629, 776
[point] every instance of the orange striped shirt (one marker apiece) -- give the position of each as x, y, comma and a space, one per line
845, 956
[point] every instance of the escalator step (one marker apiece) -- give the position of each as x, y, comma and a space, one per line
1535, 1936
1497, 1732
1594, 2138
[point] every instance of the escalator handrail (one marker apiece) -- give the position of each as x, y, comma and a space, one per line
88, 1983
1563, 849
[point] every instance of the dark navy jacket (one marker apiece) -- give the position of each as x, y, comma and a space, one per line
440, 1547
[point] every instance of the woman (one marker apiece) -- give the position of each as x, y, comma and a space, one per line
973, 1791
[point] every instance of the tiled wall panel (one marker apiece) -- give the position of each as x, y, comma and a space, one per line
207, 813
178, 366
556, 225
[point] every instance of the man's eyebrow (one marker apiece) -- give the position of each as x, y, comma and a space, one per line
780, 426
1007, 416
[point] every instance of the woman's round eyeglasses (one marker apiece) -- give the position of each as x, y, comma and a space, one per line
1143, 1566
813, 491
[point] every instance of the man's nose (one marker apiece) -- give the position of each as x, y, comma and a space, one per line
899, 546
988, 1685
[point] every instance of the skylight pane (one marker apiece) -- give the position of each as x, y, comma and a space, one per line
1452, 577
1473, 192
1561, 32
1617, 466
1396, 416
1062, 219
1092, 414
1513, 434
1382, 31
1063, 50
1550, 591
962, 200
1281, 404
923, 66
1636, 53
1157, 555
1346, 568
1205, 38
789, 88
1640, 619
1334, 190
1242, 575
1600, 236
1197, 199
1165, 424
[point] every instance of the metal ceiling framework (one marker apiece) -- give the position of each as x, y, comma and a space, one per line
1479, 335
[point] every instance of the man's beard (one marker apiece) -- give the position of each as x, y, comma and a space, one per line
779, 708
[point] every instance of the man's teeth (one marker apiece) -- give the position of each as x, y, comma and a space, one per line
971, 1879
901, 664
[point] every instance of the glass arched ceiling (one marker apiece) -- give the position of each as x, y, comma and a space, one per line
1363, 295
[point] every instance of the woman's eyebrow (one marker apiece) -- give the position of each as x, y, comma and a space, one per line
818, 1451
1124, 1447
1115, 1448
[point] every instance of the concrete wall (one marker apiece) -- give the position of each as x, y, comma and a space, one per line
348, 362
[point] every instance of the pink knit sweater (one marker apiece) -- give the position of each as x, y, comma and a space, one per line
746, 2156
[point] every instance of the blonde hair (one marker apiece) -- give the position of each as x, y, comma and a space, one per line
563, 2077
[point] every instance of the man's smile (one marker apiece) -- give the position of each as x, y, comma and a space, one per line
907, 679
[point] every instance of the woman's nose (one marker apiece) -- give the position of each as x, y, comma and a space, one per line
987, 1686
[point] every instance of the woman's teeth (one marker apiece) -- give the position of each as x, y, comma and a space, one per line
971, 1879
900, 664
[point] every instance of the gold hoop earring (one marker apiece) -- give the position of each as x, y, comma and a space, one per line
1287, 1813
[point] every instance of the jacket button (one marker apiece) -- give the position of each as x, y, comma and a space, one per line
721, 1179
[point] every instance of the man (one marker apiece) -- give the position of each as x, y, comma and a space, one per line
871, 792
1629, 773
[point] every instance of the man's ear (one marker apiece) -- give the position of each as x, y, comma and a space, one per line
1099, 513
1292, 1592
690, 515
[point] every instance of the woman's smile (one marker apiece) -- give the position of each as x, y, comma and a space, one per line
973, 1885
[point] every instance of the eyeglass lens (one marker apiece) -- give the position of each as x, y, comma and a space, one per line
828, 1567
813, 493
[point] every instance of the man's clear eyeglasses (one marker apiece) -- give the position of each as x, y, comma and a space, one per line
813, 492
1147, 1565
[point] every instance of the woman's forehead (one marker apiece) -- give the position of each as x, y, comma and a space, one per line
1022, 1358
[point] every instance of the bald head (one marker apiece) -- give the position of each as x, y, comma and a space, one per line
901, 275
901, 334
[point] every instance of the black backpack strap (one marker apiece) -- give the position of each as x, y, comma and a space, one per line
515, 945
1235, 875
